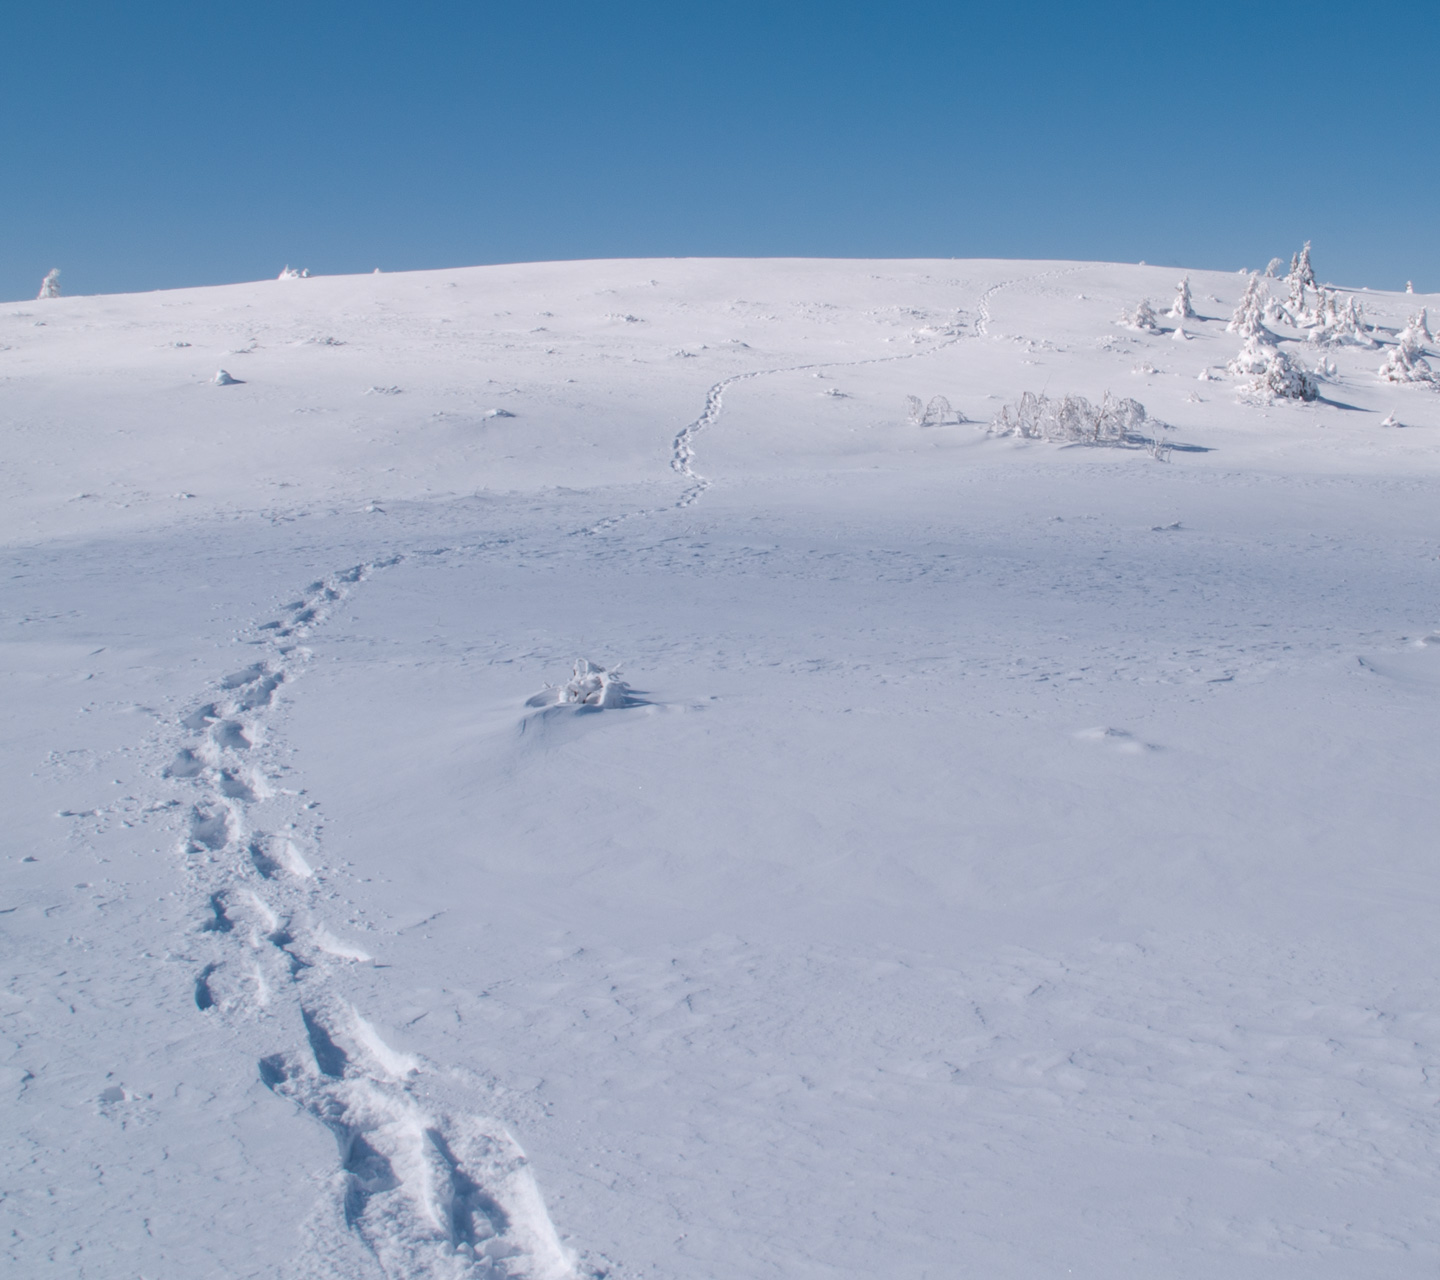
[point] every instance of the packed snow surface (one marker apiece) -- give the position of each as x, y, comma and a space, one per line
643, 769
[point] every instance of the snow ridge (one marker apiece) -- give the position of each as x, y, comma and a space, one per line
421, 1192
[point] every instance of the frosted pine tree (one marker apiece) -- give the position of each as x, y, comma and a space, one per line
1249, 318
1306, 271
1181, 309
1144, 318
1302, 277
50, 286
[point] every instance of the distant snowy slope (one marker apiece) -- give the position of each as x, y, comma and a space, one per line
980, 854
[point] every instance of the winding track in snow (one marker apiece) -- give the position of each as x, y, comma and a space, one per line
682, 452
421, 1192
419, 1195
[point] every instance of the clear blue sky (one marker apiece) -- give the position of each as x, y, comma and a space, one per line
165, 143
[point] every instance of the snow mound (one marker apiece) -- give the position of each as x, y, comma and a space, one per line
590, 685
223, 379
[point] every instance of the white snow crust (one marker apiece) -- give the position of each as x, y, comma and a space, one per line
1001, 857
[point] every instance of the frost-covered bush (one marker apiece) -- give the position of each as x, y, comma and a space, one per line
1181, 308
1418, 328
1277, 265
1273, 374
50, 286
289, 273
1276, 312
937, 413
1143, 318
1074, 420
1406, 361
1334, 322
1249, 318
589, 686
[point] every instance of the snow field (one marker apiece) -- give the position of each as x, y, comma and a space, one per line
1012, 860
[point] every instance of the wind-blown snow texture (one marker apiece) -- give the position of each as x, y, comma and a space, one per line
1000, 858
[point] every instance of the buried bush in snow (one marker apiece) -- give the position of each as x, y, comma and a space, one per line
289, 273
223, 379
1417, 329
1334, 322
1074, 420
1144, 318
50, 286
1406, 363
937, 413
589, 686
1273, 374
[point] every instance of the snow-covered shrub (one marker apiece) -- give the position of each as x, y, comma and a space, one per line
289, 273
1074, 420
1143, 318
1406, 361
1276, 312
937, 413
1273, 374
1249, 318
1181, 309
1277, 265
590, 685
1418, 327
1334, 322
50, 286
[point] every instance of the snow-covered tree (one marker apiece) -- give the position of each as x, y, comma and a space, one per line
1419, 325
1277, 265
1273, 374
1181, 309
1302, 277
50, 286
1303, 268
1406, 361
1143, 319
1249, 318
914, 410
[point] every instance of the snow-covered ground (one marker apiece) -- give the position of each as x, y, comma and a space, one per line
993, 858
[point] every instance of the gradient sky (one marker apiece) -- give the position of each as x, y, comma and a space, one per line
167, 143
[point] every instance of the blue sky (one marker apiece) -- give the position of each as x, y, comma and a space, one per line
161, 144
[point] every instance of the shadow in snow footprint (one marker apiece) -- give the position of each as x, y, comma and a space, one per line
329, 1056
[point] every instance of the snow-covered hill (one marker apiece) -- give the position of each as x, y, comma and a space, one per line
993, 857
